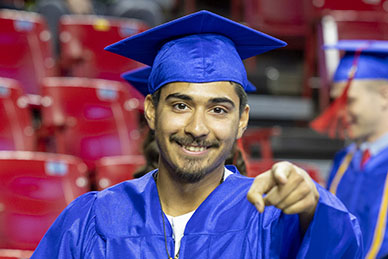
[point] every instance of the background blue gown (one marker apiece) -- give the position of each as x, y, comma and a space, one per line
362, 192
125, 221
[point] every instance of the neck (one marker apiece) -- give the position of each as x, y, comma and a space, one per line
376, 136
179, 198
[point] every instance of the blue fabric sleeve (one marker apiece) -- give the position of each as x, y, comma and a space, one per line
333, 232
71, 233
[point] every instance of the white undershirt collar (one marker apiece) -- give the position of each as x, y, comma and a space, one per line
178, 223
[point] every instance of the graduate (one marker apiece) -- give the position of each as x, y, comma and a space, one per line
192, 206
359, 173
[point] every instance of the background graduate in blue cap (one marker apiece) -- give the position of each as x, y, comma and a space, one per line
192, 206
359, 173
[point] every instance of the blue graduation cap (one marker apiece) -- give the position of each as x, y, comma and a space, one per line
372, 61
138, 78
201, 47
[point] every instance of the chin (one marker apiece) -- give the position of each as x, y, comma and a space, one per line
191, 172
189, 177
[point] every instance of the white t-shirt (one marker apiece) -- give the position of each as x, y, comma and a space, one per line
179, 223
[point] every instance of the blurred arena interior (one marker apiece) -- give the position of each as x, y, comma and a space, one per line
71, 124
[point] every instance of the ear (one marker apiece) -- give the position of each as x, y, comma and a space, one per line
149, 111
384, 94
243, 123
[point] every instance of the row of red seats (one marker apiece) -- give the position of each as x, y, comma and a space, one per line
87, 118
35, 187
27, 51
94, 121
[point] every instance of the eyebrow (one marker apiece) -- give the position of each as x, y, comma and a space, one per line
212, 100
222, 100
179, 96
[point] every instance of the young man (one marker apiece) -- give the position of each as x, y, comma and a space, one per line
359, 173
192, 206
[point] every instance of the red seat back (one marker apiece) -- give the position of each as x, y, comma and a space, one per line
113, 170
281, 18
25, 49
16, 130
83, 39
356, 5
261, 138
93, 118
34, 189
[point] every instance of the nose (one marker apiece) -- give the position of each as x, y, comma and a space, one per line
197, 126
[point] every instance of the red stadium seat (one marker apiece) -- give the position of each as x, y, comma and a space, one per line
16, 129
290, 21
116, 169
261, 138
92, 118
25, 49
34, 188
355, 5
280, 18
83, 39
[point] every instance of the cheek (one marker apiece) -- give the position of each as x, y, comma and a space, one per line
169, 122
225, 129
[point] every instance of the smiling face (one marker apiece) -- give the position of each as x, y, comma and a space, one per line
196, 125
366, 108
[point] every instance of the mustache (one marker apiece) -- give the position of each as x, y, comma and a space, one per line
192, 141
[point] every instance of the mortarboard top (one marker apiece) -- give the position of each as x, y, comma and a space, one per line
372, 61
201, 47
138, 78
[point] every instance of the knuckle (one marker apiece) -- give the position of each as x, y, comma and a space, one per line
280, 164
250, 196
305, 189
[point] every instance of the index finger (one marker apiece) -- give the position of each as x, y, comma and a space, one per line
281, 171
262, 184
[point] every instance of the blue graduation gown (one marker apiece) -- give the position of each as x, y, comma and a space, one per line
125, 221
362, 192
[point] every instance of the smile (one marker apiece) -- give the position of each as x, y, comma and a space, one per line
194, 148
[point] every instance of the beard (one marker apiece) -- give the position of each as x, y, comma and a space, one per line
191, 172
194, 169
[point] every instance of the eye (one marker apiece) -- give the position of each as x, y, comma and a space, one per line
180, 106
219, 110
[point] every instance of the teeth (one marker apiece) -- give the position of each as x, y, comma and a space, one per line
194, 149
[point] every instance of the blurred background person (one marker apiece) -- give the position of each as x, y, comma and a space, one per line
359, 173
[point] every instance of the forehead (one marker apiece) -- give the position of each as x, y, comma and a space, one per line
202, 91
358, 87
